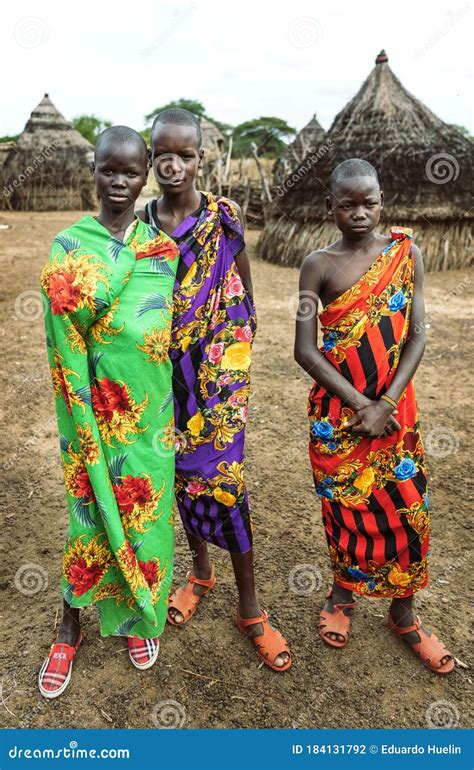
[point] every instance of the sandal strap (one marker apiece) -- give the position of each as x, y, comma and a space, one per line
209, 583
400, 630
334, 623
244, 622
340, 606
270, 644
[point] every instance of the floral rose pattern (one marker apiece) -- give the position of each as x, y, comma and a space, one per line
213, 328
373, 491
108, 330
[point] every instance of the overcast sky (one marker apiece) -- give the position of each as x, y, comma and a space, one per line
255, 57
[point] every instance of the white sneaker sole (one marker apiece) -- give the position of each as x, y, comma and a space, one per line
53, 694
149, 664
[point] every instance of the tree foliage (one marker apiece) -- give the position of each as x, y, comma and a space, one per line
269, 133
90, 126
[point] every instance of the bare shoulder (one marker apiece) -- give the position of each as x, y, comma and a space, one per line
141, 214
417, 261
316, 261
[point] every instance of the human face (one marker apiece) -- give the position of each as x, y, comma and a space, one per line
120, 173
356, 204
176, 157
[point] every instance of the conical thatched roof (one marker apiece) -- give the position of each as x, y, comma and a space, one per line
48, 168
212, 138
425, 168
306, 141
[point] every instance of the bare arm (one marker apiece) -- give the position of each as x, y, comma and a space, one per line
307, 354
242, 260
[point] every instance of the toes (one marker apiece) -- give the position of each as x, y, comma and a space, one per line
281, 659
175, 615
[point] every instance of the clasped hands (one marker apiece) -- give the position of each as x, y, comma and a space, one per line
374, 419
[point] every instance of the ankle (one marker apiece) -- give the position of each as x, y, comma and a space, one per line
202, 570
340, 595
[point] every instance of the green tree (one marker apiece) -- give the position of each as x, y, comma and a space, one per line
270, 134
90, 126
9, 138
192, 105
464, 131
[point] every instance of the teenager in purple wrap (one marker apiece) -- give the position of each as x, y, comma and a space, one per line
213, 328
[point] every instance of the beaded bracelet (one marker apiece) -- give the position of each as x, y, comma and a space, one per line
389, 400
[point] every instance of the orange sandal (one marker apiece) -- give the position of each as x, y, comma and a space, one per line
335, 622
270, 644
185, 601
429, 649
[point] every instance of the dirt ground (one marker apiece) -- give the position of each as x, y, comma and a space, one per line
208, 675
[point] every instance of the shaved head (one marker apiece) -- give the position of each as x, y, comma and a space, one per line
178, 117
117, 136
349, 169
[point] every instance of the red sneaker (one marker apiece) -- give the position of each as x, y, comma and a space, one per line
143, 652
57, 668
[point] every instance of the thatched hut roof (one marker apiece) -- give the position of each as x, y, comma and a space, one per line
212, 138
48, 168
307, 140
425, 167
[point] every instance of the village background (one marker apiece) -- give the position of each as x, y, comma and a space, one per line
326, 91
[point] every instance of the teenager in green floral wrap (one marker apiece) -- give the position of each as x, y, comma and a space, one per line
108, 286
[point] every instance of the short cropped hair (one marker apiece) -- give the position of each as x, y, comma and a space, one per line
119, 135
176, 116
351, 168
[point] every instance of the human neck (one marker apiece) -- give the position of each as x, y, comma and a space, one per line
359, 244
180, 204
115, 223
